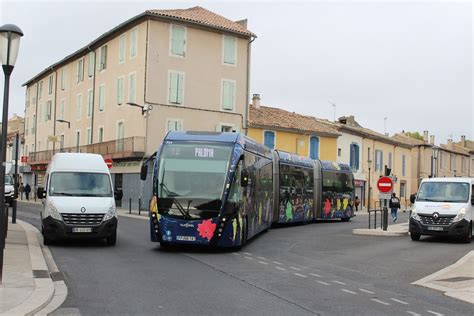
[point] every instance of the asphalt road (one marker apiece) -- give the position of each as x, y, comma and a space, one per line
301, 270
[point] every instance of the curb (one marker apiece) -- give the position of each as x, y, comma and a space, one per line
378, 232
124, 213
43, 291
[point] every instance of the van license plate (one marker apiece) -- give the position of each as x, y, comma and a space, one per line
436, 228
82, 229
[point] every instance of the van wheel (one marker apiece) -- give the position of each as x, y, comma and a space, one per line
415, 236
112, 239
468, 236
47, 241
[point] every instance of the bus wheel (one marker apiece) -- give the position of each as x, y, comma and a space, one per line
345, 219
415, 236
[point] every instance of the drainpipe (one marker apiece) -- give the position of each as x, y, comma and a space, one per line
248, 86
93, 93
55, 105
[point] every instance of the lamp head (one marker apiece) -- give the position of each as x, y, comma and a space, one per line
9, 44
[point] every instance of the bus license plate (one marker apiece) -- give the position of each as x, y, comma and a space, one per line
436, 228
82, 229
186, 238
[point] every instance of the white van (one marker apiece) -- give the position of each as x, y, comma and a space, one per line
78, 199
443, 206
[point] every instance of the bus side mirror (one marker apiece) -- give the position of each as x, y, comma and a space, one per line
412, 198
143, 171
40, 193
244, 178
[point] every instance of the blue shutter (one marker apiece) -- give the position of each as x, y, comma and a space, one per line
356, 147
269, 139
351, 157
314, 147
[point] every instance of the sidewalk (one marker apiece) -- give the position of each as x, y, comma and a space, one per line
27, 286
393, 230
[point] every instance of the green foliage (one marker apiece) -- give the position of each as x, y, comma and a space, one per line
414, 135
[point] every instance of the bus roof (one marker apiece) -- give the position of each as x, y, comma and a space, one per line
335, 166
294, 159
449, 179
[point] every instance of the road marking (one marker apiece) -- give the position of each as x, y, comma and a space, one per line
380, 302
413, 313
263, 262
261, 258
324, 283
316, 275
295, 268
435, 313
366, 291
341, 283
300, 275
248, 254
160, 306
279, 268
248, 258
275, 262
348, 291
398, 301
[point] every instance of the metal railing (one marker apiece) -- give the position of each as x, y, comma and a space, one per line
120, 148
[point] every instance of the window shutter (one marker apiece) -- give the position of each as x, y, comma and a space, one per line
351, 156
177, 40
173, 88
229, 49
180, 88
269, 139
356, 153
91, 64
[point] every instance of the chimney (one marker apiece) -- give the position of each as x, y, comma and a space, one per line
425, 136
432, 140
256, 101
450, 144
242, 23
463, 140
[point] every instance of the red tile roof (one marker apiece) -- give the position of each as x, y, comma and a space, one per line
201, 16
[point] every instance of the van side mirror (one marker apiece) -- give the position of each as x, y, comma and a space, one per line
143, 171
40, 193
244, 178
472, 199
412, 198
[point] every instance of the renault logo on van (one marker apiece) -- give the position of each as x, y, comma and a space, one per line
83, 209
436, 216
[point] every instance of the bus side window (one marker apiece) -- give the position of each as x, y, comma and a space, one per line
235, 194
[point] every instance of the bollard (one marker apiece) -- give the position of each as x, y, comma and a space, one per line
14, 212
6, 219
130, 206
149, 205
375, 221
139, 205
369, 218
385, 218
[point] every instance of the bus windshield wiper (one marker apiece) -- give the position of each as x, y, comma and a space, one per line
172, 195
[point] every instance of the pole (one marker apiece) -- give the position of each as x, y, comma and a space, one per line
368, 194
7, 70
17, 178
385, 215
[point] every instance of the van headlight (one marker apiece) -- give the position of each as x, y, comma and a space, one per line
415, 215
53, 212
460, 215
110, 214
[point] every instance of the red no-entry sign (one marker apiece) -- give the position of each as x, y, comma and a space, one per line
385, 185
109, 162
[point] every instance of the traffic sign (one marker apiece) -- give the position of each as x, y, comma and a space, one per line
109, 162
385, 185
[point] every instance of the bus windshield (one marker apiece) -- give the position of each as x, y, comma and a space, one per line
80, 184
191, 179
454, 192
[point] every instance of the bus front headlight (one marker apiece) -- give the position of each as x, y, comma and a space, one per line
111, 213
460, 215
53, 212
415, 215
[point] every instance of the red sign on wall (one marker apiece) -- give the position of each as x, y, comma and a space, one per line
24, 158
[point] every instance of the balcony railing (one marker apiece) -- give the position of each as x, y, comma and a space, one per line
131, 147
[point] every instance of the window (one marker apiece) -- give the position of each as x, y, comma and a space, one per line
120, 90
228, 94
61, 142
225, 128
39, 145
26, 126
390, 160
63, 79
122, 45
354, 156
464, 164
133, 42
378, 160
403, 166
40, 89
90, 68
50, 84
453, 162
120, 136
90, 102
49, 106
101, 98
230, 49
78, 106
314, 147
178, 40
80, 70
78, 140
61, 110
33, 128
176, 88
132, 82
27, 98
174, 125
40, 112
403, 190
103, 58
339, 152
89, 136
269, 139
101, 134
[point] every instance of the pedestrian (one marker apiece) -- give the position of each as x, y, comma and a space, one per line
21, 189
27, 191
394, 205
356, 203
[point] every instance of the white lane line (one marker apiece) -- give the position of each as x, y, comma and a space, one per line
248, 254
348, 291
300, 275
337, 282
413, 313
366, 291
435, 313
295, 268
324, 283
261, 258
276, 262
280, 268
380, 302
248, 258
316, 275
398, 301
263, 262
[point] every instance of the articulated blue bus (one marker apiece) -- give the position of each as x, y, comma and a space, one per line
221, 189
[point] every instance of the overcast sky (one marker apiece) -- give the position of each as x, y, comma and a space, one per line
411, 62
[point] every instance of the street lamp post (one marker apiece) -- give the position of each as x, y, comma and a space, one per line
369, 162
9, 45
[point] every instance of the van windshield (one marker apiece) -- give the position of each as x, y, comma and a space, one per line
454, 192
8, 180
80, 184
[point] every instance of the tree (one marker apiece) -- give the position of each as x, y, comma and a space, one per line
415, 135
